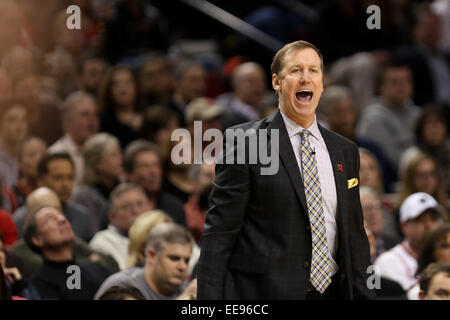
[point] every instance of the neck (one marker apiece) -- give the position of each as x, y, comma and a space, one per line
125, 108
60, 254
108, 182
78, 142
397, 105
29, 183
180, 173
179, 99
11, 149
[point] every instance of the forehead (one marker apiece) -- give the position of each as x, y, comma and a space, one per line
146, 156
174, 248
16, 108
131, 194
440, 280
303, 56
45, 213
59, 165
85, 104
122, 73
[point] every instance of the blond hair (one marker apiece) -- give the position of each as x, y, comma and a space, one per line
138, 235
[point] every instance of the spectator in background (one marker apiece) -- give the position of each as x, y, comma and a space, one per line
432, 139
102, 173
68, 46
8, 230
208, 112
429, 64
72, 41
421, 174
91, 73
190, 83
418, 214
50, 234
389, 122
10, 265
164, 275
198, 202
157, 126
435, 248
369, 171
360, 72
127, 203
13, 131
244, 104
17, 62
56, 171
435, 282
44, 116
119, 105
30, 153
43, 197
156, 80
178, 180
122, 293
80, 122
338, 107
6, 87
138, 235
142, 164
379, 222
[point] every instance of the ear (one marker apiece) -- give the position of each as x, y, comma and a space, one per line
276, 82
151, 254
37, 241
111, 215
421, 295
403, 227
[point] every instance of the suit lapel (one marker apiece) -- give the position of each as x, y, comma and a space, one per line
287, 156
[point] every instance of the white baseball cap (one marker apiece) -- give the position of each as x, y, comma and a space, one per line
416, 204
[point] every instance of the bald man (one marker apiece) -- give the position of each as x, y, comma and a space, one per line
40, 197
244, 104
45, 197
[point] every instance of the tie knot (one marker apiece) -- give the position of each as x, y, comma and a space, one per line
305, 134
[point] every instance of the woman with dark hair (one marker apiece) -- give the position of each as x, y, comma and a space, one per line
421, 174
435, 248
431, 134
119, 105
157, 126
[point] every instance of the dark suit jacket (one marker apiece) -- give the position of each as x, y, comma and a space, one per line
257, 240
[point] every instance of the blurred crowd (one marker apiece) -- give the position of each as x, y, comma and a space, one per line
86, 118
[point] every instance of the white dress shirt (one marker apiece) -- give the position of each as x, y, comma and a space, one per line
326, 178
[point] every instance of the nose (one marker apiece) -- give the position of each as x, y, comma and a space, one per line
182, 265
62, 219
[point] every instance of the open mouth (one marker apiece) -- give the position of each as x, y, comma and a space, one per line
304, 96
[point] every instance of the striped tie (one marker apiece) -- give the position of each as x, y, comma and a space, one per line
320, 276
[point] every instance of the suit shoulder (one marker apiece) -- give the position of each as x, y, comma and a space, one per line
255, 124
339, 140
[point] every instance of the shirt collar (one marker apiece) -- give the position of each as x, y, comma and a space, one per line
294, 128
